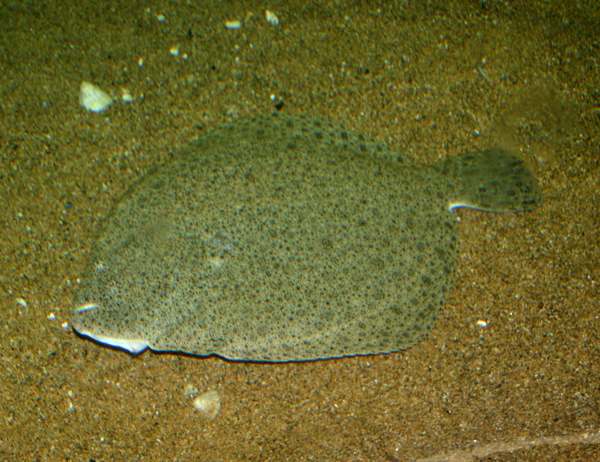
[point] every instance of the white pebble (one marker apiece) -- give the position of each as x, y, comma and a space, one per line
93, 98
232, 25
271, 18
174, 50
51, 316
482, 323
209, 404
71, 408
126, 96
21, 302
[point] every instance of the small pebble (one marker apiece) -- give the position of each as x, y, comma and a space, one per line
126, 96
233, 25
209, 404
93, 98
71, 406
21, 302
271, 18
51, 316
482, 323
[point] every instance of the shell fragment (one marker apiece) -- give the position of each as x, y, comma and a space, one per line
93, 98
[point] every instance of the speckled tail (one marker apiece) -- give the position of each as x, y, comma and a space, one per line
491, 180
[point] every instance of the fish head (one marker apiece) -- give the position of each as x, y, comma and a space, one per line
94, 321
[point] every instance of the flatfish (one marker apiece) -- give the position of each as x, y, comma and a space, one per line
280, 238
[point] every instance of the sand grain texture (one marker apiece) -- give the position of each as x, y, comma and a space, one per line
435, 78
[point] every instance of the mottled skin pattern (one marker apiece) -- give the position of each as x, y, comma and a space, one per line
284, 238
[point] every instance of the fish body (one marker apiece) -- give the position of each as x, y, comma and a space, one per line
282, 238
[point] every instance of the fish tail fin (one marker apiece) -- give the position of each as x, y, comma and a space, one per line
492, 180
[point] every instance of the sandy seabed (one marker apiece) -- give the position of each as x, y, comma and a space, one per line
432, 79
